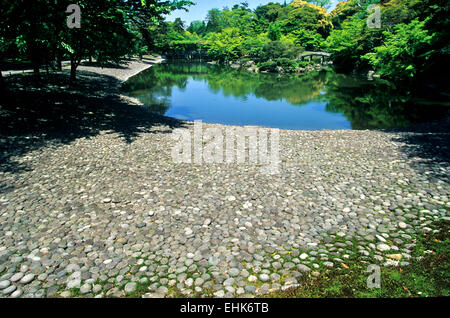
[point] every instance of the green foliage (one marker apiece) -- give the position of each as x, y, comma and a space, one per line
305, 63
178, 25
403, 48
279, 49
343, 10
404, 51
274, 33
270, 12
240, 18
411, 44
110, 29
269, 66
307, 17
214, 21
321, 3
280, 64
254, 46
351, 42
226, 45
308, 40
198, 27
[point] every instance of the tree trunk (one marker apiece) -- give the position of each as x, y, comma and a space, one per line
2, 82
58, 61
73, 72
73, 69
36, 72
35, 59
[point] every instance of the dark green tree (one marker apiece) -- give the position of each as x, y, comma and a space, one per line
214, 21
198, 27
178, 25
274, 32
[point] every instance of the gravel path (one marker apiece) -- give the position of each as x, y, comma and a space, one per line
102, 216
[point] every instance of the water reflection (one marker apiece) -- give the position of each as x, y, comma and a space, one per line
319, 100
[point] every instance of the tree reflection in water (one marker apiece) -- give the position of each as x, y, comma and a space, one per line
375, 104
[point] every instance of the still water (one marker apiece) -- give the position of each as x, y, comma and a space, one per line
316, 101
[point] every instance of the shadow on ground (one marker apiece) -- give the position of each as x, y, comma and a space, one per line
121, 65
55, 112
107, 65
429, 145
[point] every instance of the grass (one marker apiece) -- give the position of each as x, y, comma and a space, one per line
428, 274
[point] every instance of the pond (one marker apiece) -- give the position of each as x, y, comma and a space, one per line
316, 101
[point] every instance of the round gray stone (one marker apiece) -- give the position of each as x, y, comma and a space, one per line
17, 293
130, 287
264, 277
250, 288
16, 277
86, 288
219, 293
27, 278
383, 247
233, 272
4, 284
9, 290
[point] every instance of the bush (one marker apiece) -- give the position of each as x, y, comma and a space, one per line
287, 64
404, 52
269, 66
226, 45
279, 49
274, 65
254, 46
274, 32
305, 63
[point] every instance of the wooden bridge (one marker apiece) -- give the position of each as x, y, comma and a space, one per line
310, 55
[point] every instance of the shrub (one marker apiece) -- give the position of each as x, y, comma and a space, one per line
273, 65
269, 66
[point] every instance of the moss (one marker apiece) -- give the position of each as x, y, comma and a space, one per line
428, 275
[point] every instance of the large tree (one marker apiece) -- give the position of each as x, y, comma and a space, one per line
307, 16
198, 27
108, 26
214, 20
109, 29
225, 45
404, 52
27, 29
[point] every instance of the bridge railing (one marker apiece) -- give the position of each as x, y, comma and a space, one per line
310, 55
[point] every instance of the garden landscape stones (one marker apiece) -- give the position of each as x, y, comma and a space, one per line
4, 284
27, 278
